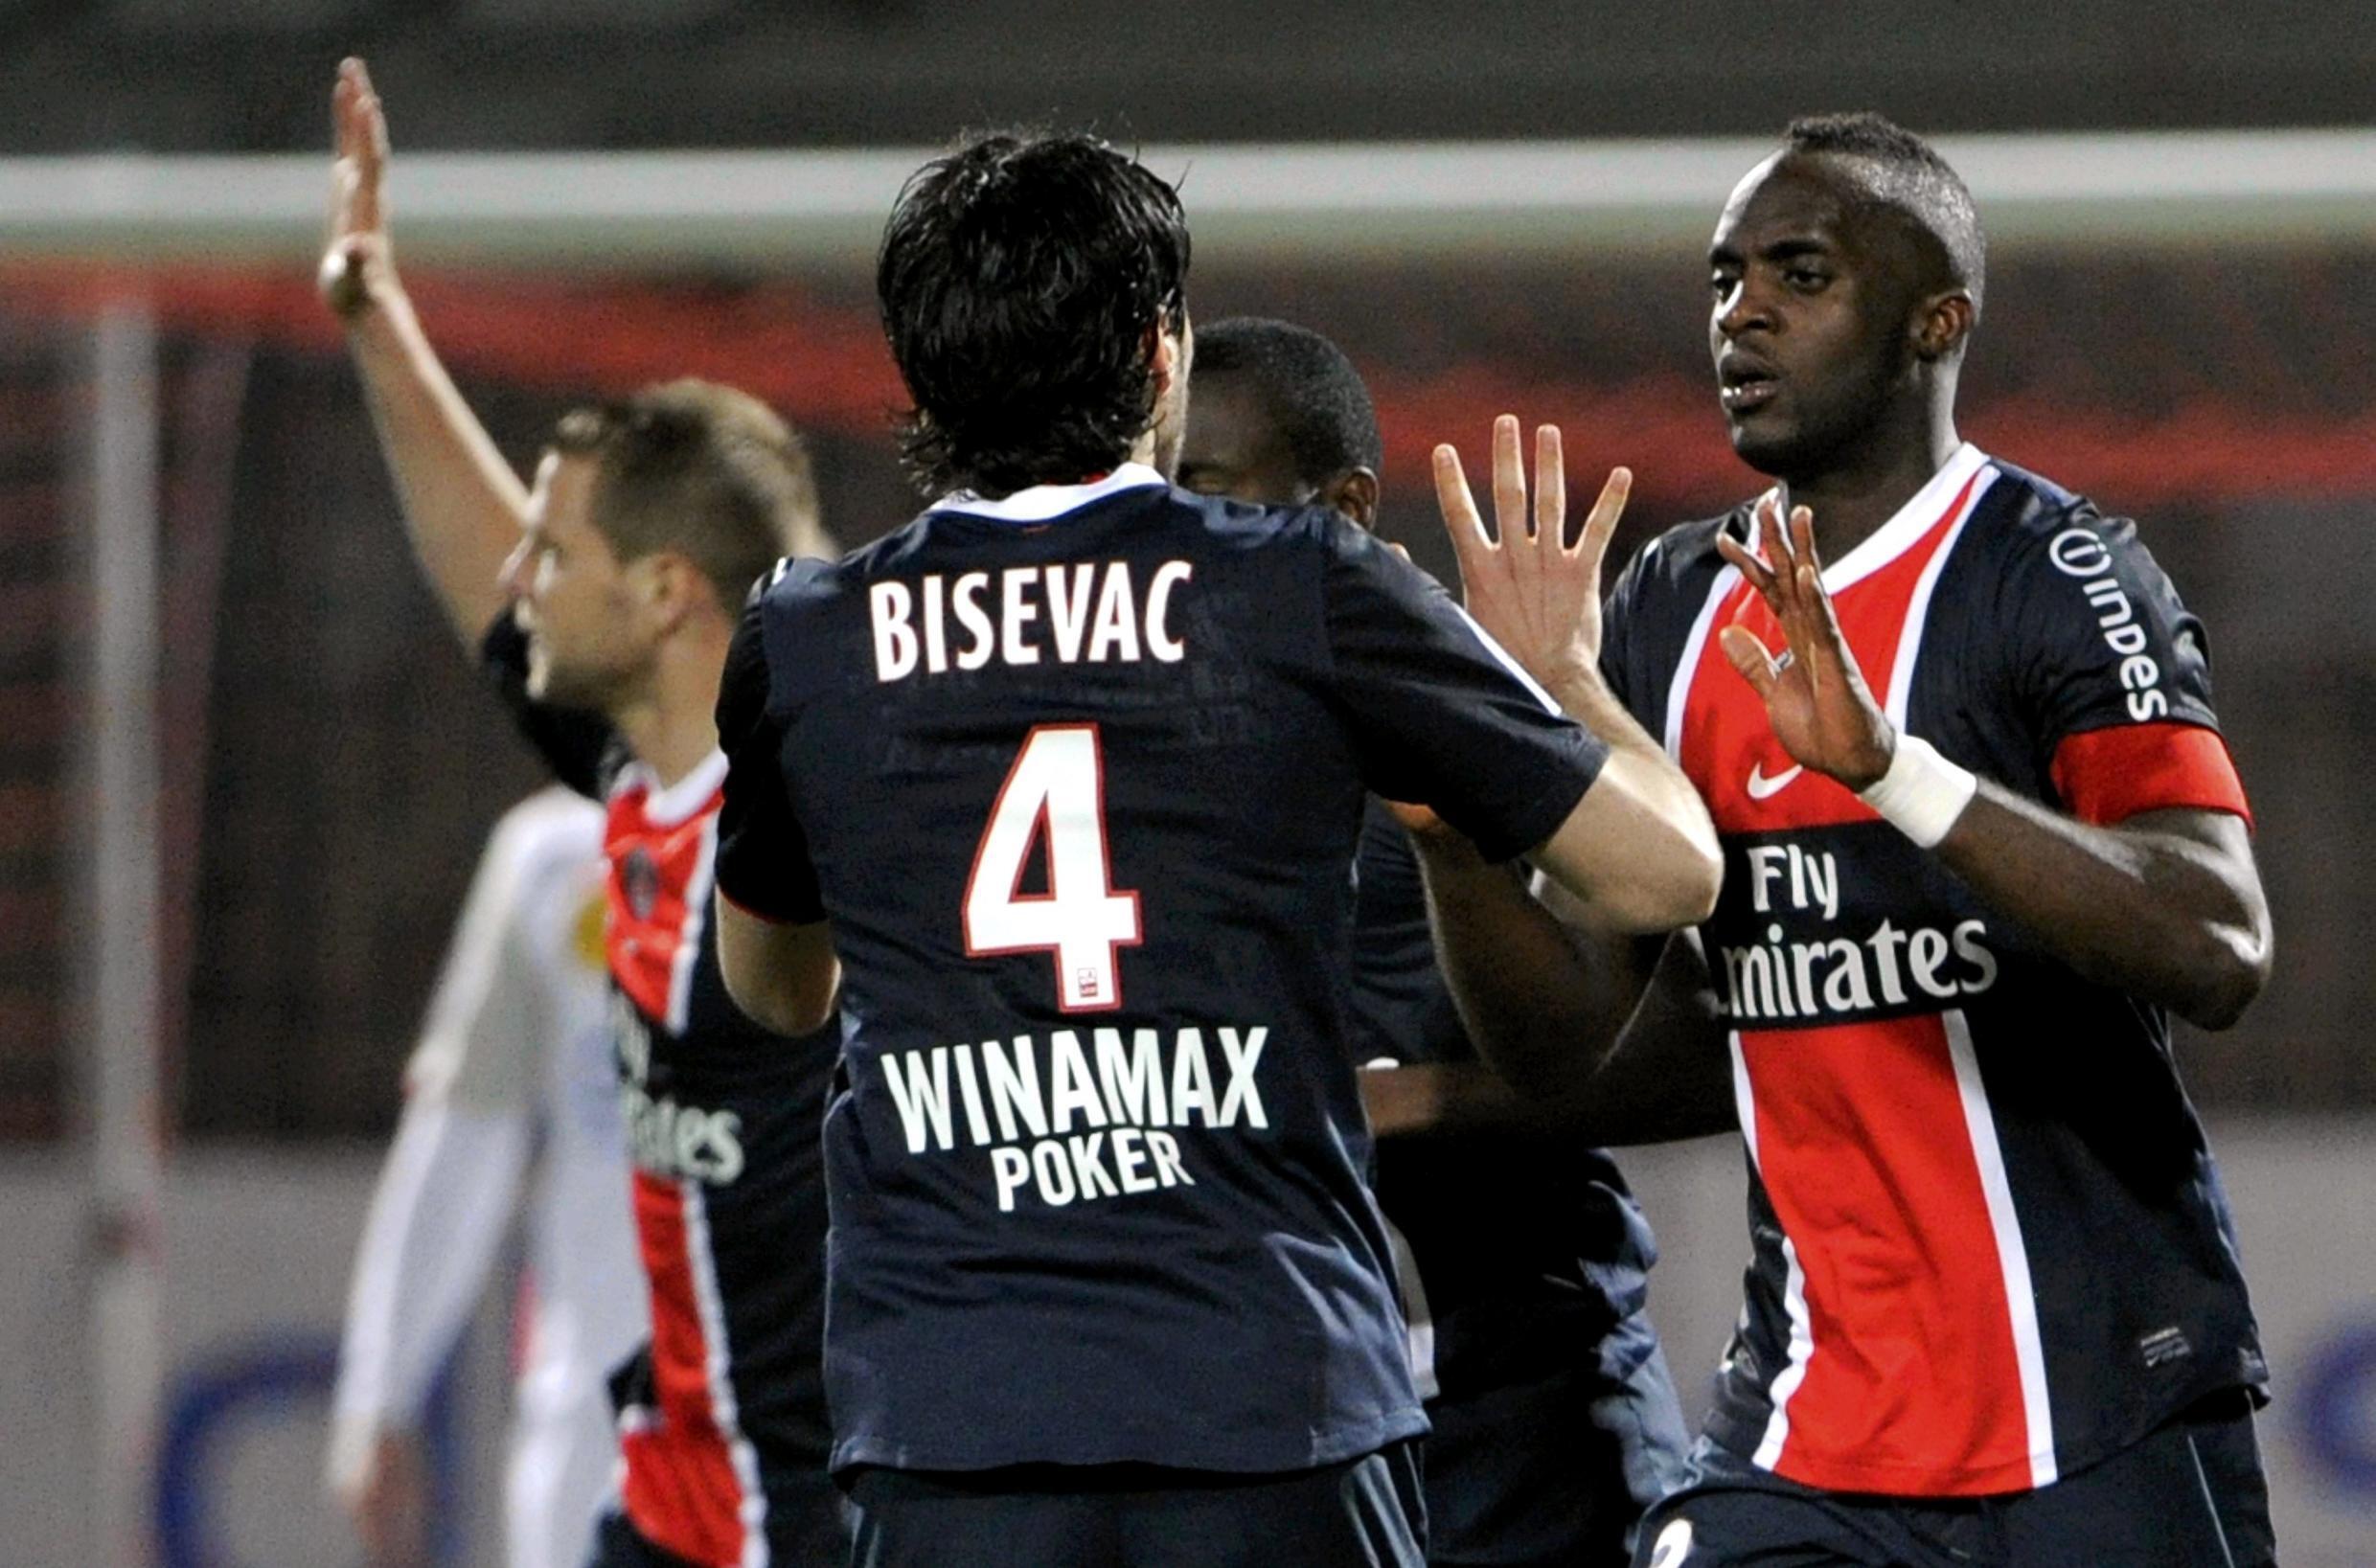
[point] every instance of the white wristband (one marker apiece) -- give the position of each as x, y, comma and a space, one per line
1923, 793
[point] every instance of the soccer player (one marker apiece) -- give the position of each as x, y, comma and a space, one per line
1982, 838
601, 602
516, 1051
1525, 1261
1059, 785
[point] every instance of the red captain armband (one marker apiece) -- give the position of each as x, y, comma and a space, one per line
2108, 776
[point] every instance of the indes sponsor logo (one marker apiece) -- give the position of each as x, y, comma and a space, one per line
2078, 552
1068, 1119
1796, 968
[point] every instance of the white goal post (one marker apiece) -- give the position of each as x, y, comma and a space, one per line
579, 210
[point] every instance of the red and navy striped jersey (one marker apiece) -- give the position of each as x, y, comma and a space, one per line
723, 1421
1077, 777
1990, 1245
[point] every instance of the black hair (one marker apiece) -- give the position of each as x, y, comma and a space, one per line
1315, 398
1913, 178
701, 470
1018, 278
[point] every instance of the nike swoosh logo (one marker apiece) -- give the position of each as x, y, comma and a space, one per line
1763, 788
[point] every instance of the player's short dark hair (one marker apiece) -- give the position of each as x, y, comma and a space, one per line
701, 470
1913, 179
1314, 397
1018, 277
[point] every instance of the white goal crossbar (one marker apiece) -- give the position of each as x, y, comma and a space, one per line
1266, 202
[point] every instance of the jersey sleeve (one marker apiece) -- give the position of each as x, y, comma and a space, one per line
2113, 673
764, 865
1439, 714
576, 745
492, 1018
1618, 646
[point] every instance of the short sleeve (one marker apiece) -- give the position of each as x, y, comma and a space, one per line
764, 867
480, 1042
2113, 676
1439, 714
580, 747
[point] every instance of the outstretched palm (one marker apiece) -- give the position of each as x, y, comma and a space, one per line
1816, 696
358, 254
1537, 595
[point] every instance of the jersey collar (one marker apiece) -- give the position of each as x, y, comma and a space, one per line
1045, 503
680, 802
1923, 512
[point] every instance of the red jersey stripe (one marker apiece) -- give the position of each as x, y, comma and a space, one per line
682, 1491
2108, 776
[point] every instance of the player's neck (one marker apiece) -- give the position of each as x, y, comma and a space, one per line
671, 723
1853, 498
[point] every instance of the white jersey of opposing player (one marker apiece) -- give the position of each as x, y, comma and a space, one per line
516, 1051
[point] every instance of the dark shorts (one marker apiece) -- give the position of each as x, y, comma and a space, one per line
1554, 1473
808, 1528
1363, 1514
2189, 1496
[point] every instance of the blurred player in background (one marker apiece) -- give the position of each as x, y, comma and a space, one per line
514, 1057
602, 602
1074, 765
1981, 837
1526, 1262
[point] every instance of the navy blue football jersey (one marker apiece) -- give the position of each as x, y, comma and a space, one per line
1525, 1274
1989, 1243
722, 1424
1077, 777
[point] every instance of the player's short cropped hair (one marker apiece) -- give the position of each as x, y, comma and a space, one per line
1913, 178
1316, 399
1018, 279
701, 470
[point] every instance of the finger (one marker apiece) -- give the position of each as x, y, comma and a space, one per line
1600, 524
1770, 538
1774, 536
1461, 521
1550, 487
1737, 555
1510, 522
1747, 656
1802, 538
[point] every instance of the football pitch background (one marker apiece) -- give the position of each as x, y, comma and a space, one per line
327, 767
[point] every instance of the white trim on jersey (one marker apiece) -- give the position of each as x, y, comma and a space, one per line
1550, 703
2012, 1256
1418, 1318
674, 806
1680, 693
1045, 503
688, 954
702, 1262
1801, 1348
1910, 523
1918, 607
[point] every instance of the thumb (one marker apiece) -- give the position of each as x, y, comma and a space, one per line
1747, 654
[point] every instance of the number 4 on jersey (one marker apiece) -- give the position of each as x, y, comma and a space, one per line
1056, 792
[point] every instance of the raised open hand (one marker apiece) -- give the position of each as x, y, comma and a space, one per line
1816, 696
358, 256
1537, 595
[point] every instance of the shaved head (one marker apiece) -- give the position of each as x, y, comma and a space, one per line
1901, 173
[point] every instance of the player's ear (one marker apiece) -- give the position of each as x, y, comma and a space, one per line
1355, 493
1167, 355
1942, 326
674, 587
